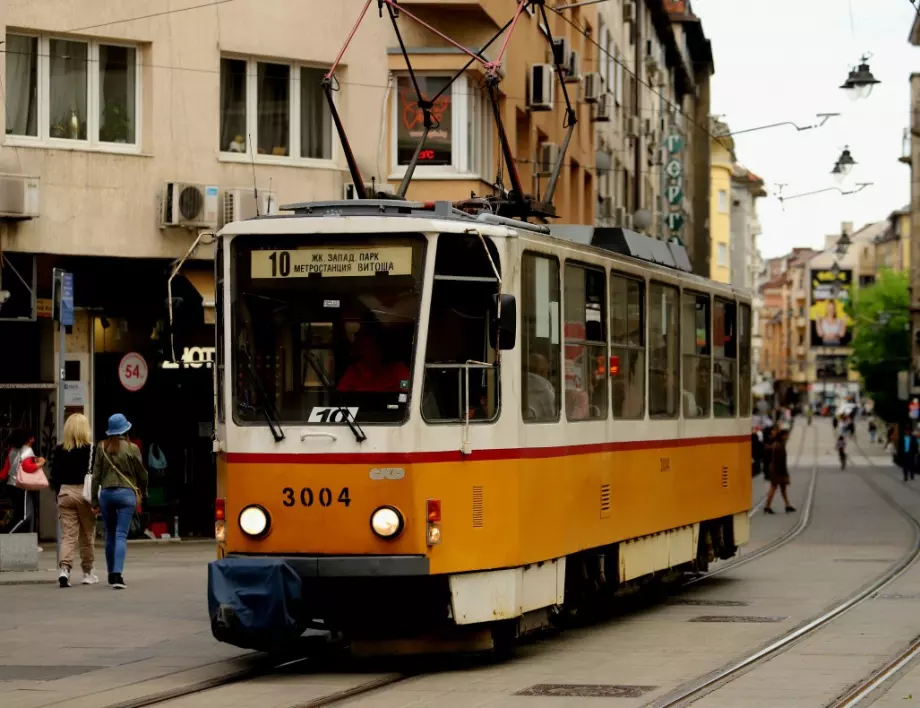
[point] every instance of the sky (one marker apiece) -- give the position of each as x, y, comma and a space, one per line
784, 60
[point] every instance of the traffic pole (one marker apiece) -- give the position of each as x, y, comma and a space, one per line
59, 427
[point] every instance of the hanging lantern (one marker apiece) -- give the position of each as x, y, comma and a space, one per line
860, 81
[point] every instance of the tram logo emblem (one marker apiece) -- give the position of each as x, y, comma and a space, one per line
387, 473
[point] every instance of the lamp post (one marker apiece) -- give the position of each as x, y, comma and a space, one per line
860, 81
844, 165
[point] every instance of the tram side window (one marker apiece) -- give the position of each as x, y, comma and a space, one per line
585, 344
664, 351
724, 378
697, 355
627, 350
744, 361
458, 333
540, 351
219, 327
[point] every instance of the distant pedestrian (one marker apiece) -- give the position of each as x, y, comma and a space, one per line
119, 484
873, 430
21, 457
835, 422
72, 460
809, 414
778, 473
906, 453
842, 450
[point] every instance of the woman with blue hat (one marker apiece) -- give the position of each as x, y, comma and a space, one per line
119, 484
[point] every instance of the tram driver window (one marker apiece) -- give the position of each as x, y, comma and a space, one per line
724, 376
540, 350
458, 332
744, 360
627, 352
697, 355
664, 351
585, 344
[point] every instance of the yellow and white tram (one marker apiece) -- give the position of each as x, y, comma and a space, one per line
432, 424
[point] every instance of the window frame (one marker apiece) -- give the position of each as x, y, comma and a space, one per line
462, 94
716, 301
722, 255
93, 120
723, 201
567, 341
648, 366
252, 117
746, 347
560, 399
643, 331
696, 295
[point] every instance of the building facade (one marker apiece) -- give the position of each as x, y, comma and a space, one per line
913, 159
746, 263
720, 202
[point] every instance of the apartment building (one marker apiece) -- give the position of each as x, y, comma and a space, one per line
720, 206
911, 155
655, 64
746, 263
892, 247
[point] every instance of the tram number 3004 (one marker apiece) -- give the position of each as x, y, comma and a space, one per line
307, 497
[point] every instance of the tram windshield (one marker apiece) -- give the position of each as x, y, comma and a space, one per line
325, 330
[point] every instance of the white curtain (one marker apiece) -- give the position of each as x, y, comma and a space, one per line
21, 85
67, 116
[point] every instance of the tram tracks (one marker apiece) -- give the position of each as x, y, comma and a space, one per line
694, 690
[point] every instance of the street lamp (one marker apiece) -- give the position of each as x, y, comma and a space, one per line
860, 186
860, 81
843, 245
844, 165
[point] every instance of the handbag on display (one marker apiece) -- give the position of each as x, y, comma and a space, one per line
88, 478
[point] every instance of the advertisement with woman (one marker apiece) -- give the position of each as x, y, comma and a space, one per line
830, 292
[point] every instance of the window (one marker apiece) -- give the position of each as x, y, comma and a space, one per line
460, 140
585, 344
664, 351
458, 333
219, 328
72, 92
744, 360
627, 351
697, 355
723, 201
540, 338
725, 353
722, 254
280, 106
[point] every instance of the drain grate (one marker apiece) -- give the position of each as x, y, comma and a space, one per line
750, 619
574, 690
708, 603
11, 672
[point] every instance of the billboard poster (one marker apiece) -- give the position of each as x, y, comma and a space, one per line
830, 293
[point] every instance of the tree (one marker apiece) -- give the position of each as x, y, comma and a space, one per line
881, 340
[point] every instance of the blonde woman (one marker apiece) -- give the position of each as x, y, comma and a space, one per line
72, 461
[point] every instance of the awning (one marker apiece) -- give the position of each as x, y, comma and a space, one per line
203, 282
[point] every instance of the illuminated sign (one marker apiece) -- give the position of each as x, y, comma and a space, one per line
332, 262
193, 358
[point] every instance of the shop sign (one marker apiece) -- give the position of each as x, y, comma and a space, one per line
132, 371
44, 308
74, 393
193, 358
342, 261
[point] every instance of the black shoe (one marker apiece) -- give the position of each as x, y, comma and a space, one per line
790, 509
116, 581
768, 510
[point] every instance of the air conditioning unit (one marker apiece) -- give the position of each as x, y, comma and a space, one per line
189, 205
603, 109
371, 189
592, 87
547, 158
605, 207
561, 51
19, 197
540, 88
629, 11
573, 68
633, 126
240, 204
619, 216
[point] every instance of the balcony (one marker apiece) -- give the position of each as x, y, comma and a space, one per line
905, 147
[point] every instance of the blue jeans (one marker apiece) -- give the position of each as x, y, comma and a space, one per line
118, 505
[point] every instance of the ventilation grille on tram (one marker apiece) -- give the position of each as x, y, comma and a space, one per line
477, 508
725, 477
605, 500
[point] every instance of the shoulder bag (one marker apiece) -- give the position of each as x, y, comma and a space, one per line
131, 485
88, 478
30, 481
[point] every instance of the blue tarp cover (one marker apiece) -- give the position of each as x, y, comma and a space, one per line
253, 601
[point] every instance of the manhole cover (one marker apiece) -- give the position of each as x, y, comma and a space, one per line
575, 690
708, 603
751, 619
10, 672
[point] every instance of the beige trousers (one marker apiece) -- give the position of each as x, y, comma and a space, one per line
78, 526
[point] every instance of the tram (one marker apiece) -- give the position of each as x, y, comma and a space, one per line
448, 426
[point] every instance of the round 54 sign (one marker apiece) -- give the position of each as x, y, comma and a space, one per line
132, 371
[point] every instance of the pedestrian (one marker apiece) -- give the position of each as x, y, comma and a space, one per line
809, 414
778, 473
756, 453
20, 456
72, 460
119, 484
873, 430
913, 453
905, 456
835, 422
842, 450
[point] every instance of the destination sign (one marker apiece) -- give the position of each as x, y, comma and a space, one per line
332, 262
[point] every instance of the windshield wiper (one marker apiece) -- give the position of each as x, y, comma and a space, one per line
315, 364
268, 408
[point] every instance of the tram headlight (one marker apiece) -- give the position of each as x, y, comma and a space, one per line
387, 522
254, 521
